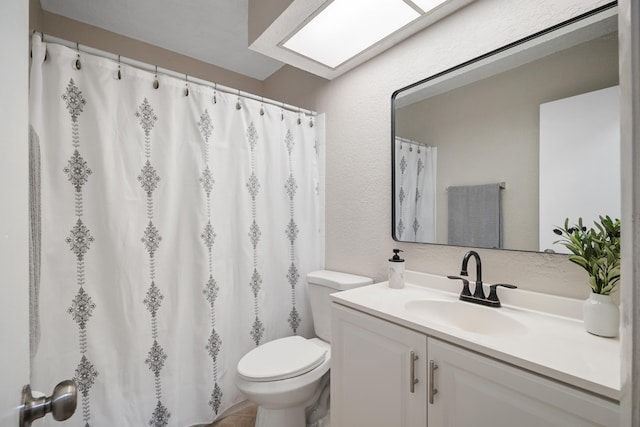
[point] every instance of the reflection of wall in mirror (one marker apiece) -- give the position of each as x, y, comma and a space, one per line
488, 131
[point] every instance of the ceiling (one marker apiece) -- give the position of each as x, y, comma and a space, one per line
212, 31
216, 31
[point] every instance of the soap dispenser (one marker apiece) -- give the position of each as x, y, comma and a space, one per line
396, 270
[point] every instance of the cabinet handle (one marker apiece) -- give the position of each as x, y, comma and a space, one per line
412, 371
432, 389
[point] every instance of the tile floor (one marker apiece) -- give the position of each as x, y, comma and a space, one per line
244, 418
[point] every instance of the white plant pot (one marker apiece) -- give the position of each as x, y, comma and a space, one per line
601, 315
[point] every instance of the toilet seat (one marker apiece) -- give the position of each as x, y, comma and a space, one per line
281, 359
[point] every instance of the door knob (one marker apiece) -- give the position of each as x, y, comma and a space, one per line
62, 403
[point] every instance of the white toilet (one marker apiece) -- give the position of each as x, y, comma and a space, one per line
283, 376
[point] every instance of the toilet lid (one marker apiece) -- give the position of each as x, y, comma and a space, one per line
281, 359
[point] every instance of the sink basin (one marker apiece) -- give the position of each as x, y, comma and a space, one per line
466, 316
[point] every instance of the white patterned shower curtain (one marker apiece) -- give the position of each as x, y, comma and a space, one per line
415, 192
176, 234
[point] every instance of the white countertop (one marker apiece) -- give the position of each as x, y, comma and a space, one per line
553, 342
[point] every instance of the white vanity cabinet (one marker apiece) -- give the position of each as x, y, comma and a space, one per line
373, 365
372, 371
474, 390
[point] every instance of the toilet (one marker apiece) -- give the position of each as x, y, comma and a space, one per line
286, 375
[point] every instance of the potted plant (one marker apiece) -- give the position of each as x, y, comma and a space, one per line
597, 250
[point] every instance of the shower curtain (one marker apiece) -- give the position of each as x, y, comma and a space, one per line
415, 192
177, 227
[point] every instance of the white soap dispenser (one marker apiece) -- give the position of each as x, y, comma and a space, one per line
396, 270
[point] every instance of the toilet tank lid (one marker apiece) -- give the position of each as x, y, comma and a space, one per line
337, 280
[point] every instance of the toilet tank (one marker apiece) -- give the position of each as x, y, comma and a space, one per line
323, 283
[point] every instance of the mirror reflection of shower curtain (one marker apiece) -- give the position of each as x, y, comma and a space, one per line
415, 192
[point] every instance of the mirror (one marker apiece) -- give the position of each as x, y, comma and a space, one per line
499, 150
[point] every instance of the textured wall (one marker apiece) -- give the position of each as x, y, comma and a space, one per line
358, 182
629, 22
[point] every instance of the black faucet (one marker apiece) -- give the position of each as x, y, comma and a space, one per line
478, 296
478, 291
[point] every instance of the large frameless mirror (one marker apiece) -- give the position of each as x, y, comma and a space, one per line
498, 151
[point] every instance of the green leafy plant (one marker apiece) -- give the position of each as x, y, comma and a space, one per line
597, 250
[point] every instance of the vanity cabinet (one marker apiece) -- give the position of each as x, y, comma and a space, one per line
474, 390
373, 365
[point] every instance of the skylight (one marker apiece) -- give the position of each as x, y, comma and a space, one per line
345, 28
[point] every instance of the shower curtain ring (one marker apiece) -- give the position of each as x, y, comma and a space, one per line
77, 63
215, 93
262, 105
156, 83
238, 106
33, 32
119, 70
282, 112
299, 119
46, 51
186, 85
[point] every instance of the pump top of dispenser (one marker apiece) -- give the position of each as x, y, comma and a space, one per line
396, 256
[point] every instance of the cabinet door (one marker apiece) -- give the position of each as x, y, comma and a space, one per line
474, 390
371, 372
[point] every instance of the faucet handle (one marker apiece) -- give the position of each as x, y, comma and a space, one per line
493, 293
465, 285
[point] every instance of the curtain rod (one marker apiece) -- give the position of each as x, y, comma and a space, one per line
501, 184
410, 141
170, 73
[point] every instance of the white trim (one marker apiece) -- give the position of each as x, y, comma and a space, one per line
14, 214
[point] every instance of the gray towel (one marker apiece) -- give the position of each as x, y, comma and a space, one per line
474, 216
